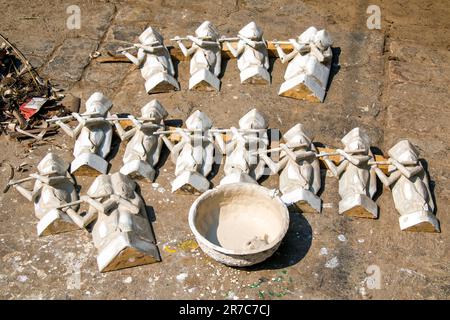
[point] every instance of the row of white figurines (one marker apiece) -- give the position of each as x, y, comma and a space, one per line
306, 76
246, 157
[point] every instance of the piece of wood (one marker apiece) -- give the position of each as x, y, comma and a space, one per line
176, 53
337, 159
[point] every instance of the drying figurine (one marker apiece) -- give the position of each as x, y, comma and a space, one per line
193, 155
411, 190
53, 188
309, 65
93, 136
357, 180
242, 163
155, 62
252, 55
122, 233
206, 57
143, 150
300, 175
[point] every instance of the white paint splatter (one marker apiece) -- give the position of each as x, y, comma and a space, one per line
323, 251
128, 280
161, 190
332, 263
361, 240
181, 277
22, 278
342, 238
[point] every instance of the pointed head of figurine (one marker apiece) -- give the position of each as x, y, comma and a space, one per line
323, 40
101, 187
404, 152
51, 164
308, 35
253, 120
356, 141
207, 31
154, 110
123, 185
251, 31
198, 121
297, 137
150, 36
98, 103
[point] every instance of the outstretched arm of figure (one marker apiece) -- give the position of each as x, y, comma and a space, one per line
273, 166
336, 170
103, 207
167, 142
170, 67
405, 171
73, 133
186, 52
354, 160
235, 52
266, 61
124, 135
150, 49
81, 221
220, 143
47, 179
385, 180
135, 60
301, 155
283, 56
249, 42
297, 46
200, 42
24, 192
218, 66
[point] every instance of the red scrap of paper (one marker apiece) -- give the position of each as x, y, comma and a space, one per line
31, 107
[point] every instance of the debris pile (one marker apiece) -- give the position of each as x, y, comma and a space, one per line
26, 100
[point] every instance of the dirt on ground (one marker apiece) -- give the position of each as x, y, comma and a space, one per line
393, 82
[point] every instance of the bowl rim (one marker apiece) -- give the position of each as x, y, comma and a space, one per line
269, 192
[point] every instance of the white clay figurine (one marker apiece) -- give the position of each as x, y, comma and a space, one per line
93, 136
357, 179
144, 148
307, 73
411, 189
252, 55
155, 62
206, 59
300, 170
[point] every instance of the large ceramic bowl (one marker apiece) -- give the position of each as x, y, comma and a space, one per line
239, 224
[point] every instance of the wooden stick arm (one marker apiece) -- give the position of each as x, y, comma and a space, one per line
176, 53
15, 182
70, 117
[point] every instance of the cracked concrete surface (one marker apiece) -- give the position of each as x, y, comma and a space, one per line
393, 82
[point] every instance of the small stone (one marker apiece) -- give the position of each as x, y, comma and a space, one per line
128, 280
332, 263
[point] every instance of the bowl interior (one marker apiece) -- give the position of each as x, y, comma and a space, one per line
241, 218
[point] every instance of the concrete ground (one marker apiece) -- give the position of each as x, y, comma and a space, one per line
393, 82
